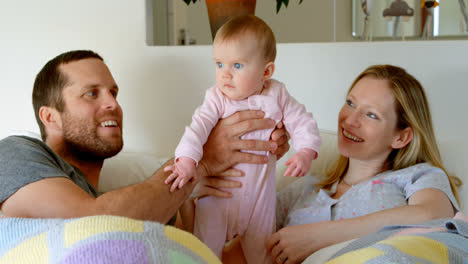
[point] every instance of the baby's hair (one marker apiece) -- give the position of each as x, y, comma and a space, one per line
240, 25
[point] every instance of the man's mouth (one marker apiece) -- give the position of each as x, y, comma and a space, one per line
353, 138
109, 123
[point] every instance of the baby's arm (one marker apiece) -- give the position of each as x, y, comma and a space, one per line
190, 149
299, 163
182, 171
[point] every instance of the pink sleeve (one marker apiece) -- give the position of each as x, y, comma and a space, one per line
300, 124
203, 120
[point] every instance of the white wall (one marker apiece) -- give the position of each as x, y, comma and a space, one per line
161, 86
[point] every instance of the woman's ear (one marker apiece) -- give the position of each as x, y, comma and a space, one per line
269, 70
402, 138
51, 118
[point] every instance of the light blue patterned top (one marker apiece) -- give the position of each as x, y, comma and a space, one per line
300, 202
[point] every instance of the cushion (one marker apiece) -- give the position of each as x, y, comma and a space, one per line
128, 168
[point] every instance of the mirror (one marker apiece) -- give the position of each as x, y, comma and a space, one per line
414, 19
173, 22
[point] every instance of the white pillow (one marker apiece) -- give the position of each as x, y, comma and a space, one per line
328, 153
127, 168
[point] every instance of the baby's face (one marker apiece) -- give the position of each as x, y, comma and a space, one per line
240, 67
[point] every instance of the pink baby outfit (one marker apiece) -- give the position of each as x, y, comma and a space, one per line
250, 213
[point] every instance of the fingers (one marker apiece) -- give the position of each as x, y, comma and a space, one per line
272, 241
231, 173
278, 132
289, 170
214, 182
297, 172
250, 125
258, 145
175, 184
242, 116
171, 177
243, 157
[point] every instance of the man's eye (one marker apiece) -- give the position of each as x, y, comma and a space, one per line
219, 64
349, 102
91, 93
238, 66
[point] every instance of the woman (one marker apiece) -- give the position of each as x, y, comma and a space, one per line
389, 171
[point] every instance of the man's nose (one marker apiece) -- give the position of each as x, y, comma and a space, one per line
110, 101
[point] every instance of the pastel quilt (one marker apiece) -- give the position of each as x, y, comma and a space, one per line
98, 239
443, 241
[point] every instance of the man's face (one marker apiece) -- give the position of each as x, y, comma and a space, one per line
92, 117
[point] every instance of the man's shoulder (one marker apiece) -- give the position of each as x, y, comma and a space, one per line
17, 143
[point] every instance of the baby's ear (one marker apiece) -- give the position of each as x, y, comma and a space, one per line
269, 70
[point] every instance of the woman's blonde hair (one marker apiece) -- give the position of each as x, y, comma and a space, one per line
412, 109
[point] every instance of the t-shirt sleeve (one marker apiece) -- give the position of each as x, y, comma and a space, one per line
23, 161
425, 176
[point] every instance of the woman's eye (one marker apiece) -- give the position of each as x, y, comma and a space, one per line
238, 65
219, 64
348, 102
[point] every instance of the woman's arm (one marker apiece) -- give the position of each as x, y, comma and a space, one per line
297, 242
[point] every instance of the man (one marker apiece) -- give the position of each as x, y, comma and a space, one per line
75, 103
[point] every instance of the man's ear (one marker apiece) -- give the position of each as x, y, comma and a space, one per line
269, 70
402, 138
51, 118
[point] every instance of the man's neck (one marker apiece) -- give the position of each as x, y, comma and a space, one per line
90, 169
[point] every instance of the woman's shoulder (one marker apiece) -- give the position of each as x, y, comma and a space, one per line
420, 168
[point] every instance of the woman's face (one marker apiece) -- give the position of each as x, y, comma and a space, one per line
367, 121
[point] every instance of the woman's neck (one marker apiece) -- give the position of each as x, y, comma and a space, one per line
361, 170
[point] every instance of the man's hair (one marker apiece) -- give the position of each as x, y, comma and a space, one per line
241, 25
50, 82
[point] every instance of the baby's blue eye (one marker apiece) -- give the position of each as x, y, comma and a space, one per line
372, 115
238, 65
219, 64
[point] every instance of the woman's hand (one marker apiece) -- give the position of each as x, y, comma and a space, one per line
293, 244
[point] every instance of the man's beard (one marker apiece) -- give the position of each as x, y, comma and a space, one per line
82, 141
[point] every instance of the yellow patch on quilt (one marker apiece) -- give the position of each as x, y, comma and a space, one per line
33, 250
421, 247
357, 256
191, 242
85, 227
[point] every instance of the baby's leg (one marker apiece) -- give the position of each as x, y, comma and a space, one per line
211, 223
260, 228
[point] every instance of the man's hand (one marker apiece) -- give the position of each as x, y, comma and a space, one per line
280, 136
223, 148
222, 151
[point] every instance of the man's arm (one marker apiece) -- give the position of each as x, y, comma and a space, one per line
60, 197
151, 199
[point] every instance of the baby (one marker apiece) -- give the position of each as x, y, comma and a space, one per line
244, 52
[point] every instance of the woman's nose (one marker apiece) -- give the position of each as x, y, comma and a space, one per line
354, 118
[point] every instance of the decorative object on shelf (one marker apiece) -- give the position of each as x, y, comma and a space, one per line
366, 6
428, 6
220, 11
464, 13
398, 9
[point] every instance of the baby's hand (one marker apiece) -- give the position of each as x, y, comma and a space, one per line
299, 163
183, 171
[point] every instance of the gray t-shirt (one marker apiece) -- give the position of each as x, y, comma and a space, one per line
24, 160
302, 203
